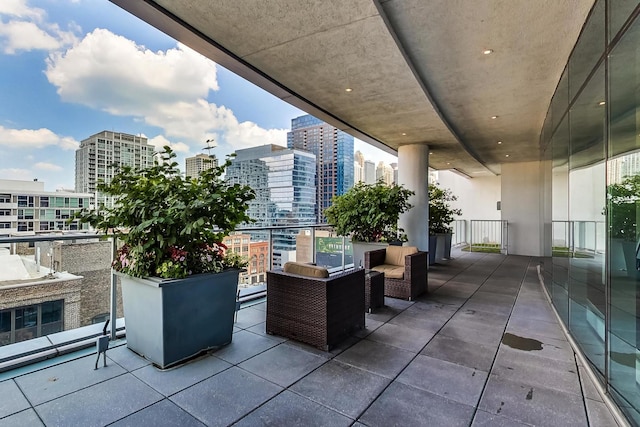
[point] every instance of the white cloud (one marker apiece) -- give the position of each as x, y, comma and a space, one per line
167, 90
160, 141
47, 167
34, 138
19, 9
16, 174
27, 30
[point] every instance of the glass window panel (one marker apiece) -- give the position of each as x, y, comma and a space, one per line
619, 12
588, 49
587, 303
561, 236
623, 179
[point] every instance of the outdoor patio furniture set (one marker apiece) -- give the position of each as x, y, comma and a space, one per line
307, 304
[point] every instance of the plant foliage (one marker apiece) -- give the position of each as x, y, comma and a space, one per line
441, 214
369, 212
623, 208
171, 226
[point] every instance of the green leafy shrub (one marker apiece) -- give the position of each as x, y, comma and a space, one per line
171, 226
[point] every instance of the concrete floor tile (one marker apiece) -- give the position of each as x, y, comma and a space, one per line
454, 350
99, 404
171, 381
290, 409
378, 358
528, 368
58, 380
419, 321
403, 405
370, 325
22, 419
533, 405
126, 358
454, 382
163, 413
484, 336
12, 399
551, 348
226, 397
341, 387
283, 364
522, 326
599, 414
248, 317
260, 329
402, 337
485, 419
244, 346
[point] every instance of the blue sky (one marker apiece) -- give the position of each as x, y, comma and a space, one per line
72, 68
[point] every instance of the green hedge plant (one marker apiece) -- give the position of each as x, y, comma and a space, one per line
370, 212
170, 225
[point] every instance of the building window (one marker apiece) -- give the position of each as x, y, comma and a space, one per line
24, 323
5, 198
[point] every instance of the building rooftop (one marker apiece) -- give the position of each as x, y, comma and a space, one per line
483, 348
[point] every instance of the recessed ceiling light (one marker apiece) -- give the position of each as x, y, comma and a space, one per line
487, 51
499, 142
506, 155
431, 152
448, 163
404, 134
494, 117
601, 103
348, 89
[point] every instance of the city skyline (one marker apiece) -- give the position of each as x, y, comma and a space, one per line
70, 69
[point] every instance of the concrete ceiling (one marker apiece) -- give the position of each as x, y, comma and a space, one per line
416, 67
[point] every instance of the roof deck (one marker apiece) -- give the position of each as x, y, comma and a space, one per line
483, 348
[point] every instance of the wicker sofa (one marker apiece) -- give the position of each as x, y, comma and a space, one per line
320, 311
404, 268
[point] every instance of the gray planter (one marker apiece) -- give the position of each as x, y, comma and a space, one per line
443, 247
170, 320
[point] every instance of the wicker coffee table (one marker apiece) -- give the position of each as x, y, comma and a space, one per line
373, 290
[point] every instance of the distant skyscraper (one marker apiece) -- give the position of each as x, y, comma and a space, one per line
369, 172
198, 163
394, 167
284, 182
358, 167
333, 149
384, 173
97, 154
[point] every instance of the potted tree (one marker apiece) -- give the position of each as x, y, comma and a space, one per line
178, 281
441, 215
369, 213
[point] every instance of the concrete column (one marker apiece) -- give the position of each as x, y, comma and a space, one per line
413, 173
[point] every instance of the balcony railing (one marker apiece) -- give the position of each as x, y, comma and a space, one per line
62, 289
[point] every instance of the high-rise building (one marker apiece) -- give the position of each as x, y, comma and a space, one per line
358, 167
284, 182
334, 153
199, 163
369, 172
97, 155
26, 207
384, 173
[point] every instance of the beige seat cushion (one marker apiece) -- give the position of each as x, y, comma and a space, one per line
390, 271
307, 270
395, 254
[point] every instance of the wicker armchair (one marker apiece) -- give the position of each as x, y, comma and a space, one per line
400, 281
320, 311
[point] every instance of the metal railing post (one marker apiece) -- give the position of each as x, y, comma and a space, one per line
313, 245
270, 240
113, 289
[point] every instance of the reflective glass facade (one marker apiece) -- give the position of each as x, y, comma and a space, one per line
591, 140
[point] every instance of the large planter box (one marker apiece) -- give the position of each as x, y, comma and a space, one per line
170, 320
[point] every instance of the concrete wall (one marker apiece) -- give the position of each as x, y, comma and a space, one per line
522, 207
477, 197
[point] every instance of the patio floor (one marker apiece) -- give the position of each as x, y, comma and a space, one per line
482, 349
